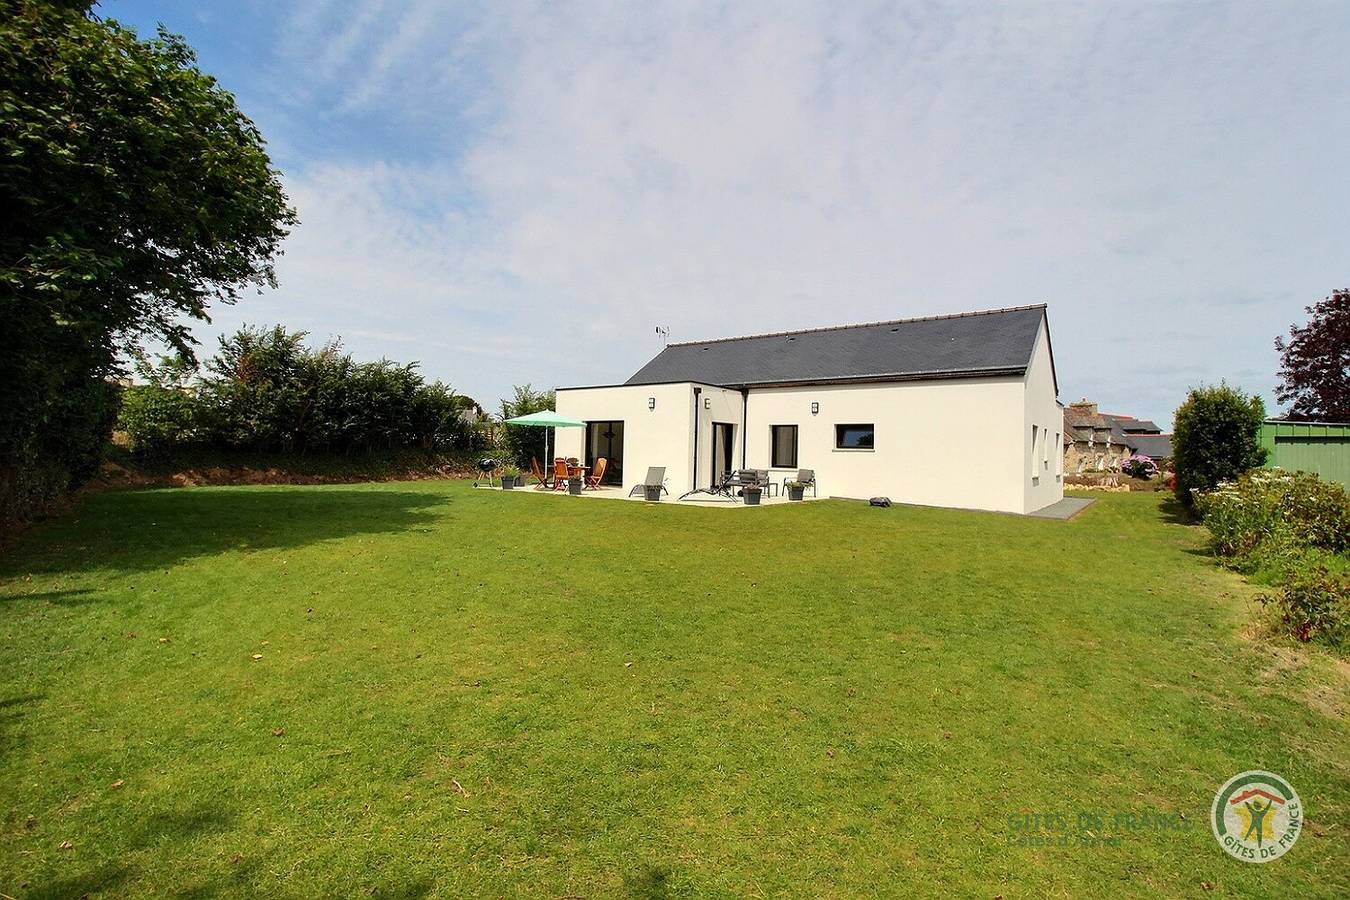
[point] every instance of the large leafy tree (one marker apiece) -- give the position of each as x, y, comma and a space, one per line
1315, 362
136, 194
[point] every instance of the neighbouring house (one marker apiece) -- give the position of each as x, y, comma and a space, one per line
955, 410
1099, 442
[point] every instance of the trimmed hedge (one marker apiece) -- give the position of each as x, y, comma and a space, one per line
266, 392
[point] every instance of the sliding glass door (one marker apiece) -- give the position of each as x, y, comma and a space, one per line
604, 440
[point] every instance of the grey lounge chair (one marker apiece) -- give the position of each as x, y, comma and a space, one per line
766, 480
740, 478
656, 477
806, 477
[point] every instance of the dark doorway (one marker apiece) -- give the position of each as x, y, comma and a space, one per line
723, 444
604, 440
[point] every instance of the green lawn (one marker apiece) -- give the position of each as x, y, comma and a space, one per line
467, 692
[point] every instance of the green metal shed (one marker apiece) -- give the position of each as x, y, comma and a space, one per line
1321, 447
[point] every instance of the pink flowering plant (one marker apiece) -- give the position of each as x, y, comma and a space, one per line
1139, 466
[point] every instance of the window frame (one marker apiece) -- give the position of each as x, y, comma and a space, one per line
840, 427
773, 446
1035, 452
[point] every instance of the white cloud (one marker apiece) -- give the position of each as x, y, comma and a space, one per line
1170, 179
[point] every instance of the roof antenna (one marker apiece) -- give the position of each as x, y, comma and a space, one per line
665, 334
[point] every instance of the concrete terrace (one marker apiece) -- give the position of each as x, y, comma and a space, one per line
614, 493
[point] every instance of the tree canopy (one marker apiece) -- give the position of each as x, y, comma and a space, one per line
1315, 362
136, 195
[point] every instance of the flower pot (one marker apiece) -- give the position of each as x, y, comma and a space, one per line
652, 492
574, 486
508, 482
751, 496
796, 493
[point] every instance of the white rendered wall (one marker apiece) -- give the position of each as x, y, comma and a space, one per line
717, 405
1044, 469
651, 437
954, 442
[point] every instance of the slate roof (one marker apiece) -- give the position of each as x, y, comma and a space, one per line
1131, 425
1139, 435
1155, 446
992, 342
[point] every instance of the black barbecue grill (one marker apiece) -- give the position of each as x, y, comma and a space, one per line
486, 466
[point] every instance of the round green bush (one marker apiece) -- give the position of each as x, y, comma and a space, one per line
1215, 439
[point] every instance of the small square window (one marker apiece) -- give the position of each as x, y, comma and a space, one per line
783, 446
854, 437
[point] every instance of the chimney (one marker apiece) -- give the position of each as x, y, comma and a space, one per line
1085, 406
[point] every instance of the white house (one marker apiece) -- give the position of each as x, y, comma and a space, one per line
956, 410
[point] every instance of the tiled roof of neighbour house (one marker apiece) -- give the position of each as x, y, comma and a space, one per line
1156, 446
993, 342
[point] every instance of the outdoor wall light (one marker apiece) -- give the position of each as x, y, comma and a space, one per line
815, 408
651, 403
707, 403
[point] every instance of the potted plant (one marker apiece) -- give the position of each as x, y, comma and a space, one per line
510, 477
652, 492
751, 494
574, 486
795, 489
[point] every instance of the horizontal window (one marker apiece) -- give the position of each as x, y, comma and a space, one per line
854, 437
783, 446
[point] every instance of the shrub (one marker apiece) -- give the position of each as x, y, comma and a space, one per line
266, 392
1315, 606
159, 419
1139, 467
1215, 439
164, 413
520, 443
1262, 506
1291, 530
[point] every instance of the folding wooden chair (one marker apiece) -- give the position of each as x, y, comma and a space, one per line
593, 479
540, 476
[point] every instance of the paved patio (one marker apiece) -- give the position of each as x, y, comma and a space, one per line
1064, 509
614, 493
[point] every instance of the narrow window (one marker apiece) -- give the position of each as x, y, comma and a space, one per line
854, 437
783, 446
1035, 434
1059, 453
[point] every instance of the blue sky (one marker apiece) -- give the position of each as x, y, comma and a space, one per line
521, 192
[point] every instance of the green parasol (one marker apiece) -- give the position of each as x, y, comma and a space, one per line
546, 418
